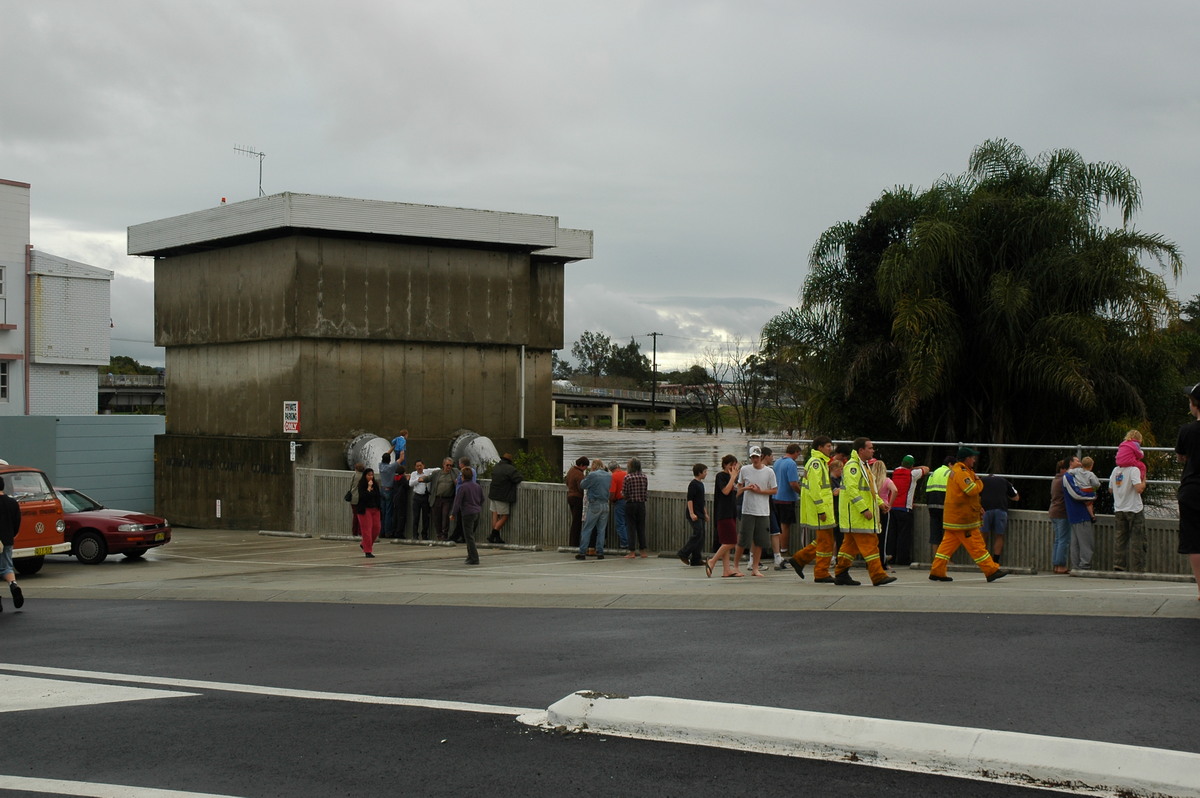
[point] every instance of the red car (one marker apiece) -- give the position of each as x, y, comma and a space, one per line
95, 531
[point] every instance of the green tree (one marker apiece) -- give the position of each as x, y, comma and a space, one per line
560, 369
993, 306
123, 364
593, 351
629, 362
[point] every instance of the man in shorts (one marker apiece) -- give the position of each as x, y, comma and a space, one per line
997, 493
756, 485
10, 525
783, 504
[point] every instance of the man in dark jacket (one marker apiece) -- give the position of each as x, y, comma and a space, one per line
503, 494
10, 525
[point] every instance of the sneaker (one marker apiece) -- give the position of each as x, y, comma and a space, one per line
844, 579
781, 566
992, 577
17, 595
799, 568
370, 555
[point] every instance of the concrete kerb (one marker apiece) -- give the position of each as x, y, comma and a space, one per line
981, 754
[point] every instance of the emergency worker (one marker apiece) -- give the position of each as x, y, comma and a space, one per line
859, 518
935, 500
961, 520
816, 512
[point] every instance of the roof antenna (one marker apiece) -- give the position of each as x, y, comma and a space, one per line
254, 154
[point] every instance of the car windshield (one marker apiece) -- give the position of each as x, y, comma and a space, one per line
27, 485
75, 502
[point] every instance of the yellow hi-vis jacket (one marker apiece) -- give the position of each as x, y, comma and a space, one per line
858, 495
816, 493
963, 491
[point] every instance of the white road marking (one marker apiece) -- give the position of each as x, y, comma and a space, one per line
280, 692
19, 693
90, 790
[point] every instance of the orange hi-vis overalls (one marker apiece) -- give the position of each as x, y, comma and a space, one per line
816, 514
860, 535
961, 520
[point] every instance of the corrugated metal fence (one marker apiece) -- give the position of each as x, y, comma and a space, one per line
540, 519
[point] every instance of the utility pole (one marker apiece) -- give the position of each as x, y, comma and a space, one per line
654, 377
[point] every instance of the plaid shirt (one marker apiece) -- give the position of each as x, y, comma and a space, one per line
635, 487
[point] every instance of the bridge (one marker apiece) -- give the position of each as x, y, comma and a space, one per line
125, 393
130, 393
614, 407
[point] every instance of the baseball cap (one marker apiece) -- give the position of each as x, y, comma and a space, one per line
966, 451
908, 461
755, 451
1193, 392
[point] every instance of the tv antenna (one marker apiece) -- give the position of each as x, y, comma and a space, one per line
253, 153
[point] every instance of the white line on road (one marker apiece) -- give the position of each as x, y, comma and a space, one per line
90, 790
281, 692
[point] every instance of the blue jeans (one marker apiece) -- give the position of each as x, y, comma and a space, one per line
618, 509
596, 521
1062, 541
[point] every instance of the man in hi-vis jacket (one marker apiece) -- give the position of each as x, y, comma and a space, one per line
859, 518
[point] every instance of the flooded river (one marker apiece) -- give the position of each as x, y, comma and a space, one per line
667, 457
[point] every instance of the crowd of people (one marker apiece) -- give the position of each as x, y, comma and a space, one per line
844, 500
429, 504
848, 505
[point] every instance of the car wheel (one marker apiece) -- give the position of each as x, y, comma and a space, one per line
135, 554
28, 565
90, 548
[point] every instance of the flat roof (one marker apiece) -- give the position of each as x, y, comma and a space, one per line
290, 213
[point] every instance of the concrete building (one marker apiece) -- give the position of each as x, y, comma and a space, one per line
353, 316
55, 318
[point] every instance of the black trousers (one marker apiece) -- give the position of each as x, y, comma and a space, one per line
694, 548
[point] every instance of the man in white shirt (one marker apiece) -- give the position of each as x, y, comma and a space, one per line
1126, 484
756, 485
419, 480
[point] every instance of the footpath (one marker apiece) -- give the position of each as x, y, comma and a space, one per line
224, 565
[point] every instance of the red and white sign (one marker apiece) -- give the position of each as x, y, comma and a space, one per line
291, 418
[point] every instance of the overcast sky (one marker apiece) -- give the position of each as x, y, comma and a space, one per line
707, 144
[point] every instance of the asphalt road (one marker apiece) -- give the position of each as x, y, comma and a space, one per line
1111, 679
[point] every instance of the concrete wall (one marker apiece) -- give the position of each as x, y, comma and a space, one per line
315, 287
368, 336
110, 458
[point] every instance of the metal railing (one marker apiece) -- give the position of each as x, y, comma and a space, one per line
540, 519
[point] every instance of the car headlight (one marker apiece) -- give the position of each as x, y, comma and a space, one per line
131, 528
61, 526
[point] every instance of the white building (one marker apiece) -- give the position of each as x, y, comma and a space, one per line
55, 318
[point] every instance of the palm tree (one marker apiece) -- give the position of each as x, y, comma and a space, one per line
996, 303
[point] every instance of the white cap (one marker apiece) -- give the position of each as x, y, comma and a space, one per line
755, 451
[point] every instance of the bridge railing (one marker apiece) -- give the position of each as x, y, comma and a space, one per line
540, 518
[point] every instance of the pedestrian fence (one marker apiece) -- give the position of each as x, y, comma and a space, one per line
540, 519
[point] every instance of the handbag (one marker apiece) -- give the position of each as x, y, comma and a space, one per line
347, 496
